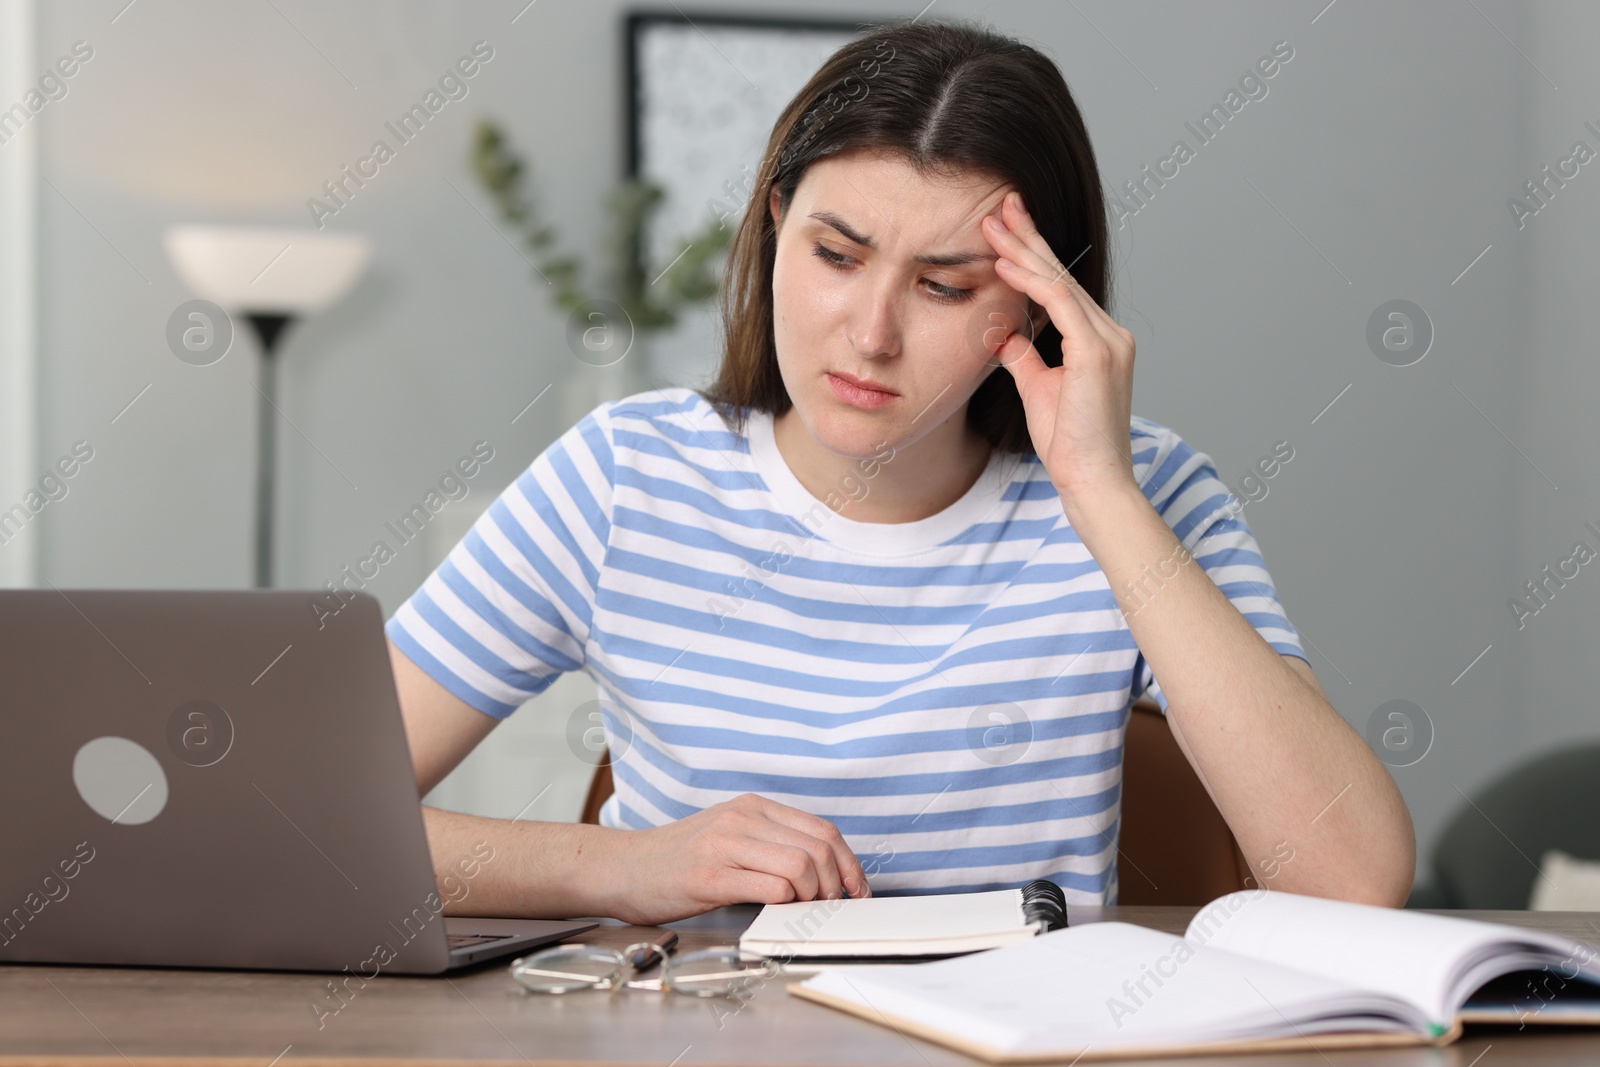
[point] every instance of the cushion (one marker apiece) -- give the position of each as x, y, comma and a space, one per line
1566, 883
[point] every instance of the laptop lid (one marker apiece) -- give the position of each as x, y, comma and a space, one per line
208, 779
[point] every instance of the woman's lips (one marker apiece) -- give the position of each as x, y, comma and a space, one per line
856, 394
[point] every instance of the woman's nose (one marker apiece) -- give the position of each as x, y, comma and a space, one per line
875, 330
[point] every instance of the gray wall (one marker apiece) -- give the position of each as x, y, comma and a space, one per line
1377, 167
1553, 675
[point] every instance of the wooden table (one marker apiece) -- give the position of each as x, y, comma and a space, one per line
132, 1016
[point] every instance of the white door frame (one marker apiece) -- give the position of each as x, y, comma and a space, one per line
18, 292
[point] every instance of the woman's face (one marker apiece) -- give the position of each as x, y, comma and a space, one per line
875, 343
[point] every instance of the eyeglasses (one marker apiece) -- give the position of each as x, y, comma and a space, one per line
711, 972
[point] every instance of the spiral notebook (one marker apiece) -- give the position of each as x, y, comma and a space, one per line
905, 927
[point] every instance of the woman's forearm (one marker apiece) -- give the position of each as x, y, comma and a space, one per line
745, 850
520, 869
1314, 811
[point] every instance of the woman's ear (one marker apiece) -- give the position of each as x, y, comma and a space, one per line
772, 206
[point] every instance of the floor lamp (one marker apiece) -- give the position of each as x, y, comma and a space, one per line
270, 277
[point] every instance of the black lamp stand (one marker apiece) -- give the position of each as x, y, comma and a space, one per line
269, 328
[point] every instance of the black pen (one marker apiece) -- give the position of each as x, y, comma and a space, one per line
648, 953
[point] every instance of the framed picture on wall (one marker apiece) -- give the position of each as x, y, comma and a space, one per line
704, 91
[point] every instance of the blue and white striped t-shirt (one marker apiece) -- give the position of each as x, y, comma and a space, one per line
952, 693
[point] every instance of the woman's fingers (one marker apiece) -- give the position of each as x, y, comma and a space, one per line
1071, 309
753, 887
821, 869
1021, 224
1017, 355
751, 849
1065, 307
846, 868
792, 862
1021, 269
1046, 280
756, 834
851, 873
745, 850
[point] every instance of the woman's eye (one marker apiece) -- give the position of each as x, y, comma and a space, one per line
949, 293
828, 255
946, 293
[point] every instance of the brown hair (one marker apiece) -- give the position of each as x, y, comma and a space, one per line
946, 96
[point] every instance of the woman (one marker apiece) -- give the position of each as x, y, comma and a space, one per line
876, 604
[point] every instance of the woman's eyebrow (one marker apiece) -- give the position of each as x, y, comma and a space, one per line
944, 259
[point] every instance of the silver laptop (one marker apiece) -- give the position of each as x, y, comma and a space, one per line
220, 779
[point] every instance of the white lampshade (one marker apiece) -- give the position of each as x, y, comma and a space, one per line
265, 269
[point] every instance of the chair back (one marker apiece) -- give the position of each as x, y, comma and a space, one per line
1175, 846
600, 789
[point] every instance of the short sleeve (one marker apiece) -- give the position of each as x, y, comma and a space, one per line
510, 608
1184, 487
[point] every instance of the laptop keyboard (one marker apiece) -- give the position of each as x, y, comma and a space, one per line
463, 940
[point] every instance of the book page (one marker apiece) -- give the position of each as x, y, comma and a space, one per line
1109, 985
910, 921
1424, 958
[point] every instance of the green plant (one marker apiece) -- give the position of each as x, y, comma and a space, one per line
651, 298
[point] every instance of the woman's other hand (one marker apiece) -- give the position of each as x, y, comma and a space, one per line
1078, 413
745, 850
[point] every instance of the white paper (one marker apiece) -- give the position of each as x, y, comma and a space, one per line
906, 925
1433, 960
1109, 985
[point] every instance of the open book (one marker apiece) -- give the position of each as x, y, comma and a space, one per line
1255, 971
932, 925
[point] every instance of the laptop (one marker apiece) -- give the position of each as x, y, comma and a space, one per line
220, 779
